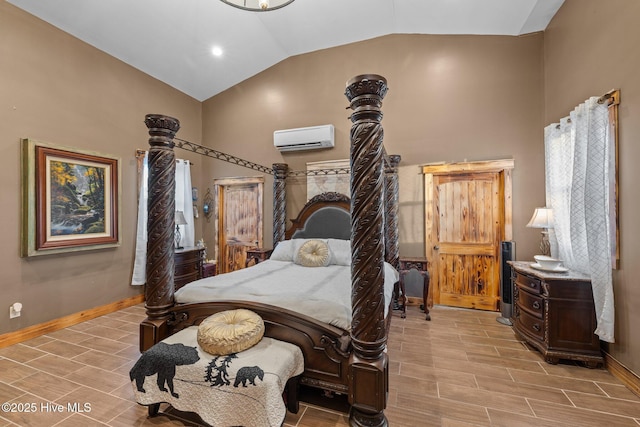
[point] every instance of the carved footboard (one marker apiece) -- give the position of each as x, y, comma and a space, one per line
326, 348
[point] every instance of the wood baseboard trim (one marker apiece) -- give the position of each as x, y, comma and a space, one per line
34, 331
621, 372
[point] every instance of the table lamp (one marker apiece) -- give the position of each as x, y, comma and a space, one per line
543, 218
180, 220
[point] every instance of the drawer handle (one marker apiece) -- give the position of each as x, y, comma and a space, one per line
533, 285
536, 305
536, 327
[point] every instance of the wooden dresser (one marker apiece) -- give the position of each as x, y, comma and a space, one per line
188, 266
554, 312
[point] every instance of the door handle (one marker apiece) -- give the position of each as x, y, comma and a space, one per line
436, 247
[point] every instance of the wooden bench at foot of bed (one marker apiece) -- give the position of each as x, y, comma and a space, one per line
244, 388
326, 349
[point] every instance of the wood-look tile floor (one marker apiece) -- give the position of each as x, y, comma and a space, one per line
460, 369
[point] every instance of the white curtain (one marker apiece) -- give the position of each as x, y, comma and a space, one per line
577, 177
183, 203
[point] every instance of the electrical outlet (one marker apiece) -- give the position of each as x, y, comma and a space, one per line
13, 313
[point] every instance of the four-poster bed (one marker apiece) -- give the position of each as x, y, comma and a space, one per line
350, 361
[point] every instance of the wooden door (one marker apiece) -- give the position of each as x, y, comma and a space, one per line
239, 210
468, 213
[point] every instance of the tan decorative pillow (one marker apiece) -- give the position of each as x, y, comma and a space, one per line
230, 331
313, 253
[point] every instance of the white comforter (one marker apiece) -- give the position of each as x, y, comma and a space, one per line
323, 293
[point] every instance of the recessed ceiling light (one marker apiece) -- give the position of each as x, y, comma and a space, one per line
216, 51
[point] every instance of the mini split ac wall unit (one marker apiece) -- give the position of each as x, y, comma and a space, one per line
304, 138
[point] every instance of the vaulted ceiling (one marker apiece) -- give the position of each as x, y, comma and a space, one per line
172, 40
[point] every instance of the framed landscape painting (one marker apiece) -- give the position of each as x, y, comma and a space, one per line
70, 199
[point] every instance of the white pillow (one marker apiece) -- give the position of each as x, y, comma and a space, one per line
340, 251
313, 253
286, 250
283, 251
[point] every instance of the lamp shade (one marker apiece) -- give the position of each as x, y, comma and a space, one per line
180, 219
542, 218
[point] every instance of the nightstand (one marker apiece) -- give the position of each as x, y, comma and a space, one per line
209, 269
420, 265
257, 255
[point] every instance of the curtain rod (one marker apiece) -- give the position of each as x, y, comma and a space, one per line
610, 98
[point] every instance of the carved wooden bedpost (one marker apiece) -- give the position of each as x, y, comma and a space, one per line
279, 202
159, 288
368, 362
392, 247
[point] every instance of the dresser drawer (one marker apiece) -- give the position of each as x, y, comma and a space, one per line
189, 276
533, 304
185, 269
530, 283
186, 278
188, 257
531, 325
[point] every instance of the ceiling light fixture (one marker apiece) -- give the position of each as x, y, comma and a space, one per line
258, 5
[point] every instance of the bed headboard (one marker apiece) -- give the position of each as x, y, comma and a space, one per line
326, 215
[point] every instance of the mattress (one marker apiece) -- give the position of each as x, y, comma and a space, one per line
323, 293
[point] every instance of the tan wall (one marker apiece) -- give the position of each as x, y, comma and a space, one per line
591, 47
451, 98
57, 89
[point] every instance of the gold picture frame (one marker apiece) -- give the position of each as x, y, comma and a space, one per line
70, 199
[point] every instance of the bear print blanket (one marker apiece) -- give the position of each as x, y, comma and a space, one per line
239, 389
